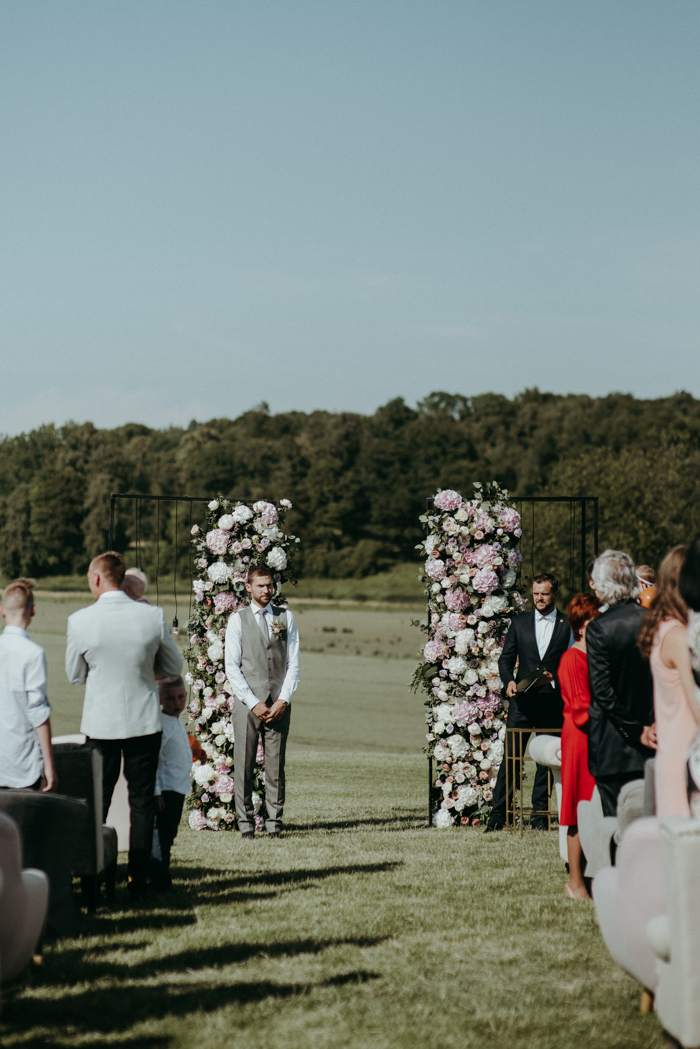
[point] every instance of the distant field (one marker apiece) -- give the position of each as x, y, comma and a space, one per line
356, 665
399, 584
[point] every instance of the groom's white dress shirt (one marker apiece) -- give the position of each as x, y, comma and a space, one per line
116, 646
23, 707
263, 617
544, 628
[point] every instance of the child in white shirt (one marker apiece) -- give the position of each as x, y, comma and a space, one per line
26, 759
172, 778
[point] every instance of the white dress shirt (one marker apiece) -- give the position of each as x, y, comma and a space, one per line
23, 707
175, 759
544, 628
263, 617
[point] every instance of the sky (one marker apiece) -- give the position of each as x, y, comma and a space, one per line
326, 204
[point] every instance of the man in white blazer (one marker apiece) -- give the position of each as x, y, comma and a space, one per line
116, 647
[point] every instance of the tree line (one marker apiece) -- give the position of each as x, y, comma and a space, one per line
358, 482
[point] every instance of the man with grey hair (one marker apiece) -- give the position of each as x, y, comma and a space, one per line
621, 733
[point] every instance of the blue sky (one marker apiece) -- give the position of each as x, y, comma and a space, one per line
328, 204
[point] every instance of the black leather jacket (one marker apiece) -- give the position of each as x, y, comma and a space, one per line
622, 700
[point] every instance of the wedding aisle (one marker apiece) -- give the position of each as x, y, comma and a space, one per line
360, 928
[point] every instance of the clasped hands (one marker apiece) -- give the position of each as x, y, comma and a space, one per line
270, 714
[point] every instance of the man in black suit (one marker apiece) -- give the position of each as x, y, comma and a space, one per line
621, 733
537, 640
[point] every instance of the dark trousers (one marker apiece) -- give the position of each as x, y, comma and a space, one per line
609, 788
550, 716
140, 767
167, 822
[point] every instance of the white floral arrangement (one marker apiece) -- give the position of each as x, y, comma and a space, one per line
238, 538
470, 575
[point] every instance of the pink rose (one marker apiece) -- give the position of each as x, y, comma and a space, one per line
223, 784
260, 754
197, 820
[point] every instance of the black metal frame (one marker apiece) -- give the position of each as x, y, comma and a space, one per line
572, 500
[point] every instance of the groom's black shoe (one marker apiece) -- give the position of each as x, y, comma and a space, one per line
248, 834
494, 826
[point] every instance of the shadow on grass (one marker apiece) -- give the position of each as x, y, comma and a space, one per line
189, 961
51, 1042
391, 823
110, 1011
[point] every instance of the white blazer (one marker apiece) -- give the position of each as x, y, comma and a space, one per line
117, 646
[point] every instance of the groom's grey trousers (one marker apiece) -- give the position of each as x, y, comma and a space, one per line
246, 727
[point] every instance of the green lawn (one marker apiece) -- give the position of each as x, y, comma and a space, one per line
361, 927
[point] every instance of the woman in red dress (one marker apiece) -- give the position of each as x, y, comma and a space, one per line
576, 781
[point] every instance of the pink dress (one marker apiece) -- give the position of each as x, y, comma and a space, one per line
675, 727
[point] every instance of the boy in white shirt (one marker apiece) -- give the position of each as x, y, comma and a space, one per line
172, 778
26, 759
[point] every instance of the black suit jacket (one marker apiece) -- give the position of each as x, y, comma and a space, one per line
540, 706
622, 700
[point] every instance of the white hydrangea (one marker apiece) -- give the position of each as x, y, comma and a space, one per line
463, 640
218, 572
443, 819
242, 514
226, 522
443, 712
459, 747
203, 774
466, 797
216, 652
456, 665
277, 559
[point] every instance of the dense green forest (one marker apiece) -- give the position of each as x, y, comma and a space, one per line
359, 483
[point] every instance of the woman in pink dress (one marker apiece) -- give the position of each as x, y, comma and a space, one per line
577, 783
663, 638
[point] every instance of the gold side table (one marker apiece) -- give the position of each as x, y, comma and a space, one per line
514, 756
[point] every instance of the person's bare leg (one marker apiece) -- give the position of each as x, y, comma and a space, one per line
576, 886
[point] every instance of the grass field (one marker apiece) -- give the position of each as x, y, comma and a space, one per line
362, 927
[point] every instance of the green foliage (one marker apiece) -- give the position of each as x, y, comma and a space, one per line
358, 483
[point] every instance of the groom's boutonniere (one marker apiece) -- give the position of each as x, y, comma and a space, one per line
279, 628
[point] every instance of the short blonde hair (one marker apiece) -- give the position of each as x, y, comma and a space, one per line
18, 596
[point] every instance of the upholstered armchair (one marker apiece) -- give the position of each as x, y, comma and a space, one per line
79, 772
546, 750
50, 827
118, 816
627, 896
24, 901
674, 936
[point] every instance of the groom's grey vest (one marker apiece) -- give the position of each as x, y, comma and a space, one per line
263, 663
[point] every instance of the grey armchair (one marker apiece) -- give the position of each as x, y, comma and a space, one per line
24, 898
79, 771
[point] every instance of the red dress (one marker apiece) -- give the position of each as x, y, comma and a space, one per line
576, 781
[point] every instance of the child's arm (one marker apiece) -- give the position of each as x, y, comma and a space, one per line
44, 734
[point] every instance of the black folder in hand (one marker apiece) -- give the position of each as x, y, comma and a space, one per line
533, 680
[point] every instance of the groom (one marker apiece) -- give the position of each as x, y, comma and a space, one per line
262, 666
537, 640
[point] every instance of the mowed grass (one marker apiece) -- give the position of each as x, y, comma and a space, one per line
361, 927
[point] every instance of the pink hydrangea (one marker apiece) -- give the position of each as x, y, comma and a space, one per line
225, 602
197, 820
484, 522
435, 568
485, 581
457, 600
455, 622
464, 713
260, 754
223, 784
509, 519
448, 500
484, 555
259, 822
434, 651
217, 540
